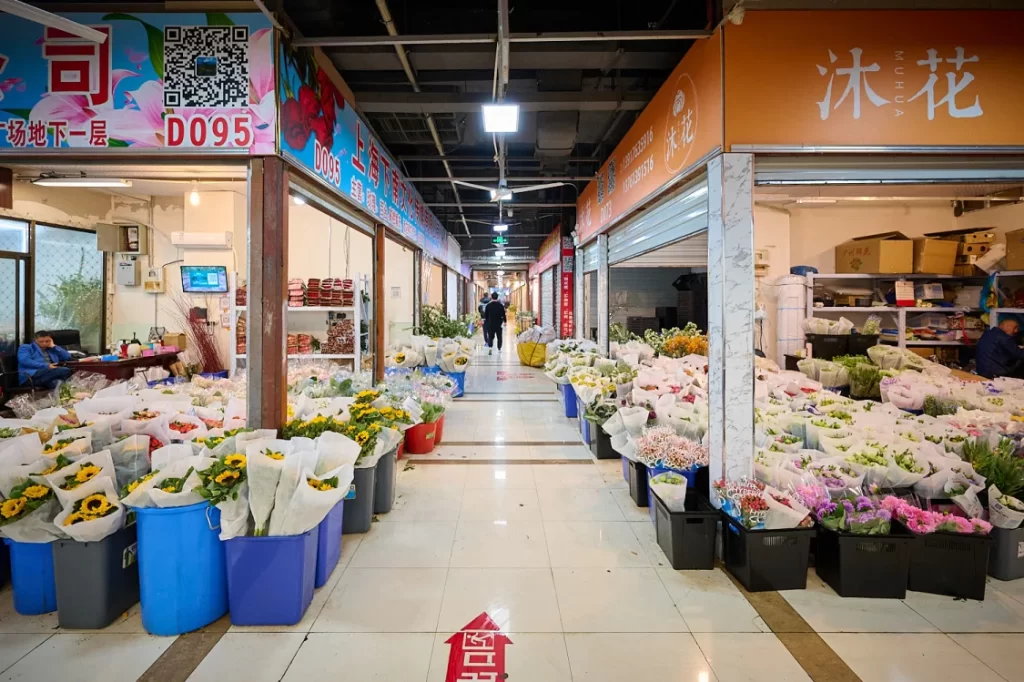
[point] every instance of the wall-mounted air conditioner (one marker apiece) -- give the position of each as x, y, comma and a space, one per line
201, 240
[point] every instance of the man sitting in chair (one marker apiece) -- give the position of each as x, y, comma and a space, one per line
38, 362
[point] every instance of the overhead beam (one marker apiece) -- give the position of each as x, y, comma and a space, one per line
533, 58
470, 102
490, 159
492, 38
512, 205
538, 178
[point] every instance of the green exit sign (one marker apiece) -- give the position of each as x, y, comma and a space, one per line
500, 241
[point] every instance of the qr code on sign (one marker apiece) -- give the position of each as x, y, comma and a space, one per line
206, 66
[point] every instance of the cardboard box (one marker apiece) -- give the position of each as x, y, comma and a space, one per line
967, 260
178, 340
928, 292
969, 249
967, 271
934, 256
982, 237
974, 235
1015, 250
880, 254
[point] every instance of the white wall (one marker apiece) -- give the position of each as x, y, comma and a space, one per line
772, 234
636, 292
435, 288
453, 294
1001, 218
398, 278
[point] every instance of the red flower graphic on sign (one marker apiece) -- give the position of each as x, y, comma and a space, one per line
293, 125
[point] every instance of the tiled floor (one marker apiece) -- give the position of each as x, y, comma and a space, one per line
562, 560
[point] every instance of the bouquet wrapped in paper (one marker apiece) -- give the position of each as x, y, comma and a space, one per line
27, 506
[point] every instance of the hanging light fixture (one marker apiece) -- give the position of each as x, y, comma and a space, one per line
193, 196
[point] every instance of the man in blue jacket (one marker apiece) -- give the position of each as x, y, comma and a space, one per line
37, 362
998, 354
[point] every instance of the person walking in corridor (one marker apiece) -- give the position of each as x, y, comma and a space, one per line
494, 319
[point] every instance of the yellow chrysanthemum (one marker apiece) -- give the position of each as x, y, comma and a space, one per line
74, 518
362, 437
87, 473
236, 460
35, 492
325, 486
277, 456
227, 477
319, 419
11, 508
95, 504
291, 411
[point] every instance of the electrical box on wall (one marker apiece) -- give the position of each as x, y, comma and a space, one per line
153, 282
129, 239
126, 273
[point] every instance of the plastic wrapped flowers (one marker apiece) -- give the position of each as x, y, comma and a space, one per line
758, 506
851, 513
922, 521
661, 446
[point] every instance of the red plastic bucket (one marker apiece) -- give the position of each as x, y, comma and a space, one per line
419, 440
439, 431
401, 449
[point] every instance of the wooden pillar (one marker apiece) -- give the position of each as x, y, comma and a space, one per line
379, 268
268, 293
6, 188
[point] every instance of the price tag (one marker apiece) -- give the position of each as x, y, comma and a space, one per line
904, 293
351, 492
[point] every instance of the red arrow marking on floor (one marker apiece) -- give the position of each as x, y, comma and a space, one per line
477, 652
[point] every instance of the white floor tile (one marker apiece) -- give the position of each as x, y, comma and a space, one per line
593, 544
567, 476
578, 504
615, 600
492, 477
1001, 652
251, 656
517, 599
13, 622
531, 657
441, 504
897, 656
500, 505
639, 657
87, 658
710, 602
998, 613
406, 545
647, 535
364, 657
825, 611
749, 657
14, 647
627, 506
560, 452
384, 600
500, 544
418, 476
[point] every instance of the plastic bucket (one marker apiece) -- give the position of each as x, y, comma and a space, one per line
460, 383
359, 502
328, 544
182, 582
439, 431
569, 400
385, 481
419, 439
35, 590
270, 579
625, 469
401, 449
96, 581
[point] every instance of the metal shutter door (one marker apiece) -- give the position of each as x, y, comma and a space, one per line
691, 252
590, 259
675, 218
885, 170
452, 295
547, 297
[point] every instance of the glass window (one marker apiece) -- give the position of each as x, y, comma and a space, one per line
13, 235
69, 283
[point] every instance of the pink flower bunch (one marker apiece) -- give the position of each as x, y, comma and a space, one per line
655, 443
922, 521
686, 455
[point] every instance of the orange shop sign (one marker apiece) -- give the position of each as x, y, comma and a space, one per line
875, 78
681, 124
548, 253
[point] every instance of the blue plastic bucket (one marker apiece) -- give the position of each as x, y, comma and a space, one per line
182, 583
223, 374
569, 400
625, 469
460, 383
35, 590
328, 544
431, 370
584, 424
270, 579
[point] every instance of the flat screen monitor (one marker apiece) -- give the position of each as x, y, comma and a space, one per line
204, 279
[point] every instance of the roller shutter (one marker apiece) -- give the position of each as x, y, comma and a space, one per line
676, 217
547, 297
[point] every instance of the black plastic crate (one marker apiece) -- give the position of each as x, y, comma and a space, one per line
601, 444
952, 564
865, 565
1006, 562
96, 581
638, 483
859, 343
687, 538
828, 346
765, 560
5, 564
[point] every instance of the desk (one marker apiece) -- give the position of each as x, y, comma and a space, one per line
123, 370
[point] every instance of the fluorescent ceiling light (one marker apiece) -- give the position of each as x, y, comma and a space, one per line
25, 11
500, 227
816, 200
82, 182
501, 118
499, 254
501, 194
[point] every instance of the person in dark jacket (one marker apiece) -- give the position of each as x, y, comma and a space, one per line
38, 362
998, 354
494, 318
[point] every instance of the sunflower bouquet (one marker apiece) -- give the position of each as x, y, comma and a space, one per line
54, 465
303, 499
93, 513
223, 478
129, 488
265, 460
79, 473
25, 498
68, 445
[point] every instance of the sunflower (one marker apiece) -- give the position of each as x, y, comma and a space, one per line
236, 461
375, 427
276, 456
35, 492
319, 419
49, 470
227, 477
95, 504
12, 508
169, 489
87, 473
75, 517
314, 483
325, 486
362, 437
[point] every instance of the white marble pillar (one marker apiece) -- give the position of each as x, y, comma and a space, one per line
577, 300
731, 314
603, 276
